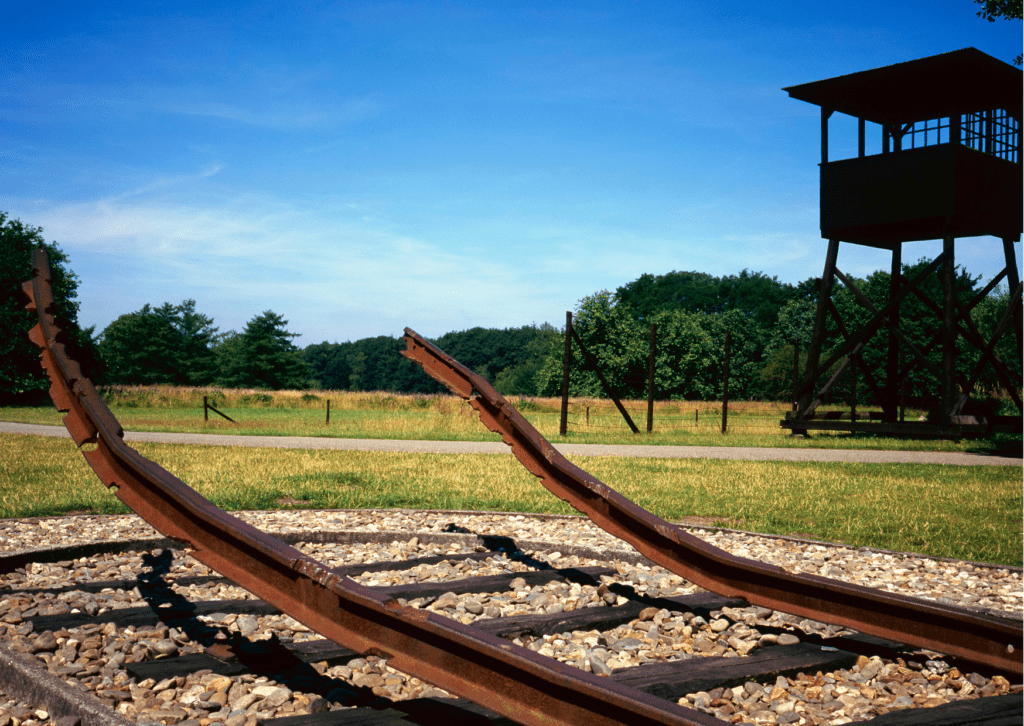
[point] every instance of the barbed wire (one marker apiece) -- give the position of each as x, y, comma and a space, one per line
598, 415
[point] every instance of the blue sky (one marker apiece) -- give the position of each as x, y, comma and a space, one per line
359, 167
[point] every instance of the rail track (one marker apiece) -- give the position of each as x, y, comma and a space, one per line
473, 661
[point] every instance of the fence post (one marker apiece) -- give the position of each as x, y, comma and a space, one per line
796, 372
563, 423
206, 410
650, 379
328, 411
853, 393
725, 383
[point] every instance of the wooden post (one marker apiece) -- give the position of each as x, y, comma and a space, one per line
1013, 279
853, 392
591, 363
566, 358
903, 401
892, 367
328, 411
650, 378
826, 113
948, 332
206, 410
796, 371
725, 382
818, 335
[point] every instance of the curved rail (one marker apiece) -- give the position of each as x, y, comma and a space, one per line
510, 680
955, 631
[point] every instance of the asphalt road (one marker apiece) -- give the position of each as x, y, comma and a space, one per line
482, 447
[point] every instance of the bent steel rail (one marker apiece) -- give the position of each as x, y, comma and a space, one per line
510, 680
976, 637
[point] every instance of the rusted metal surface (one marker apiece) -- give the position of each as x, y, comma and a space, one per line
508, 679
955, 631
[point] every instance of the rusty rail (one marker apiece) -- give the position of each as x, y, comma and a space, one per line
510, 680
955, 631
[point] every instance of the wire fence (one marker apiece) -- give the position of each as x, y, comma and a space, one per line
753, 417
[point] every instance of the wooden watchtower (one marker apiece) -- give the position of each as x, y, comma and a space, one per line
949, 167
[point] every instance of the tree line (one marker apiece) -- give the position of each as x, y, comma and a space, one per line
770, 322
177, 344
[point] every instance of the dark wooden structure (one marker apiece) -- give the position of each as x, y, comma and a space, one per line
949, 167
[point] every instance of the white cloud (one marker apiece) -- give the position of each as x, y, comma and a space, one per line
326, 272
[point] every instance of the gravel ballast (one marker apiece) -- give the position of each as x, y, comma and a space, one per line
95, 657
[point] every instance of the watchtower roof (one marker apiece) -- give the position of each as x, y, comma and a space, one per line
958, 82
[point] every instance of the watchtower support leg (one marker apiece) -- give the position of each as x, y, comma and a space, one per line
818, 334
949, 394
1013, 279
890, 405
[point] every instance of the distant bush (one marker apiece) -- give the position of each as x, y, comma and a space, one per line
256, 399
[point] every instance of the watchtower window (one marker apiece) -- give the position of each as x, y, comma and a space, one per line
926, 133
992, 132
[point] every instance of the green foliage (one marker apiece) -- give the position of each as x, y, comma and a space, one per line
509, 358
20, 371
689, 360
693, 311
262, 356
752, 293
170, 344
1009, 9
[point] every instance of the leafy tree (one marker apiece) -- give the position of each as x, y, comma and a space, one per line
169, 344
508, 358
21, 375
262, 356
752, 293
1009, 9
690, 358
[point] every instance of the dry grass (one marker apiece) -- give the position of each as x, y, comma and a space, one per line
381, 415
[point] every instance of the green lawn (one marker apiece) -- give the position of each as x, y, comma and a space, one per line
971, 513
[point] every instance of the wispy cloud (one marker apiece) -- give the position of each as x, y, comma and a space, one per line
280, 115
332, 275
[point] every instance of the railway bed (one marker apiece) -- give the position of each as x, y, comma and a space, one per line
162, 638
530, 679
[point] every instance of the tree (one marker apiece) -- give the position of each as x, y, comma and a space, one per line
262, 356
21, 375
169, 344
752, 293
1009, 9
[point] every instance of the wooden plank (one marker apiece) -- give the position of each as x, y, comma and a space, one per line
497, 583
1005, 710
238, 658
675, 679
182, 665
142, 616
400, 565
419, 711
347, 571
602, 618
145, 615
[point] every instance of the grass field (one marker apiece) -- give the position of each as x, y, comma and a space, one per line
966, 512
394, 416
946, 511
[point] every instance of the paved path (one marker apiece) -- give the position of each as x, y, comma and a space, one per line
483, 447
